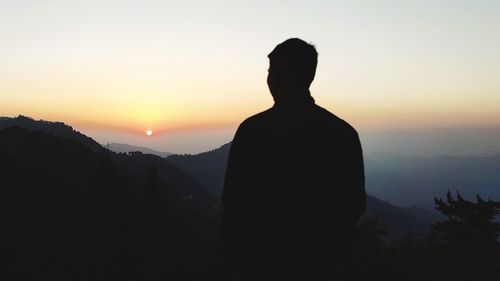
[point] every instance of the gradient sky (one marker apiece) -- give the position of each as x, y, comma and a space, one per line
195, 69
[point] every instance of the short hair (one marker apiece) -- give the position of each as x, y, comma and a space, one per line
296, 60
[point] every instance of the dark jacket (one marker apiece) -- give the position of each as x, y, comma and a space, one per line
294, 189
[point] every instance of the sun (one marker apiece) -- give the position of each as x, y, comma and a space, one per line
149, 132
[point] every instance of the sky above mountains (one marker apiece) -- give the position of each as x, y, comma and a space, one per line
192, 70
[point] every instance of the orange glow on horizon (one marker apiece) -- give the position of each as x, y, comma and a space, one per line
161, 128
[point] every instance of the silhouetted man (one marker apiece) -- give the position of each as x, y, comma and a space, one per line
294, 186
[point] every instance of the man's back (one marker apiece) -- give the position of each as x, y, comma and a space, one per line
294, 186
294, 189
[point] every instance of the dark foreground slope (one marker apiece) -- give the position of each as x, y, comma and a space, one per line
71, 213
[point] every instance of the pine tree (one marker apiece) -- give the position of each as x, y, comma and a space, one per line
470, 226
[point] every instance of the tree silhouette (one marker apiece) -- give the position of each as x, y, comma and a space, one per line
465, 246
470, 226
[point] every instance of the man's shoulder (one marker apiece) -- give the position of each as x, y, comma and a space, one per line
256, 119
333, 121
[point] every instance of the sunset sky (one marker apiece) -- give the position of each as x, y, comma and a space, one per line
191, 71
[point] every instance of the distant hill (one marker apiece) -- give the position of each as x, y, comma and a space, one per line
209, 167
414, 181
126, 148
181, 184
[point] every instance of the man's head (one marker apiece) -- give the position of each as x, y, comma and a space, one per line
292, 66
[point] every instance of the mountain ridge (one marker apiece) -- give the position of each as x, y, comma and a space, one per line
126, 148
59, 129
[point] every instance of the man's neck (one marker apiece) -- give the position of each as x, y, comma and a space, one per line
293, 98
